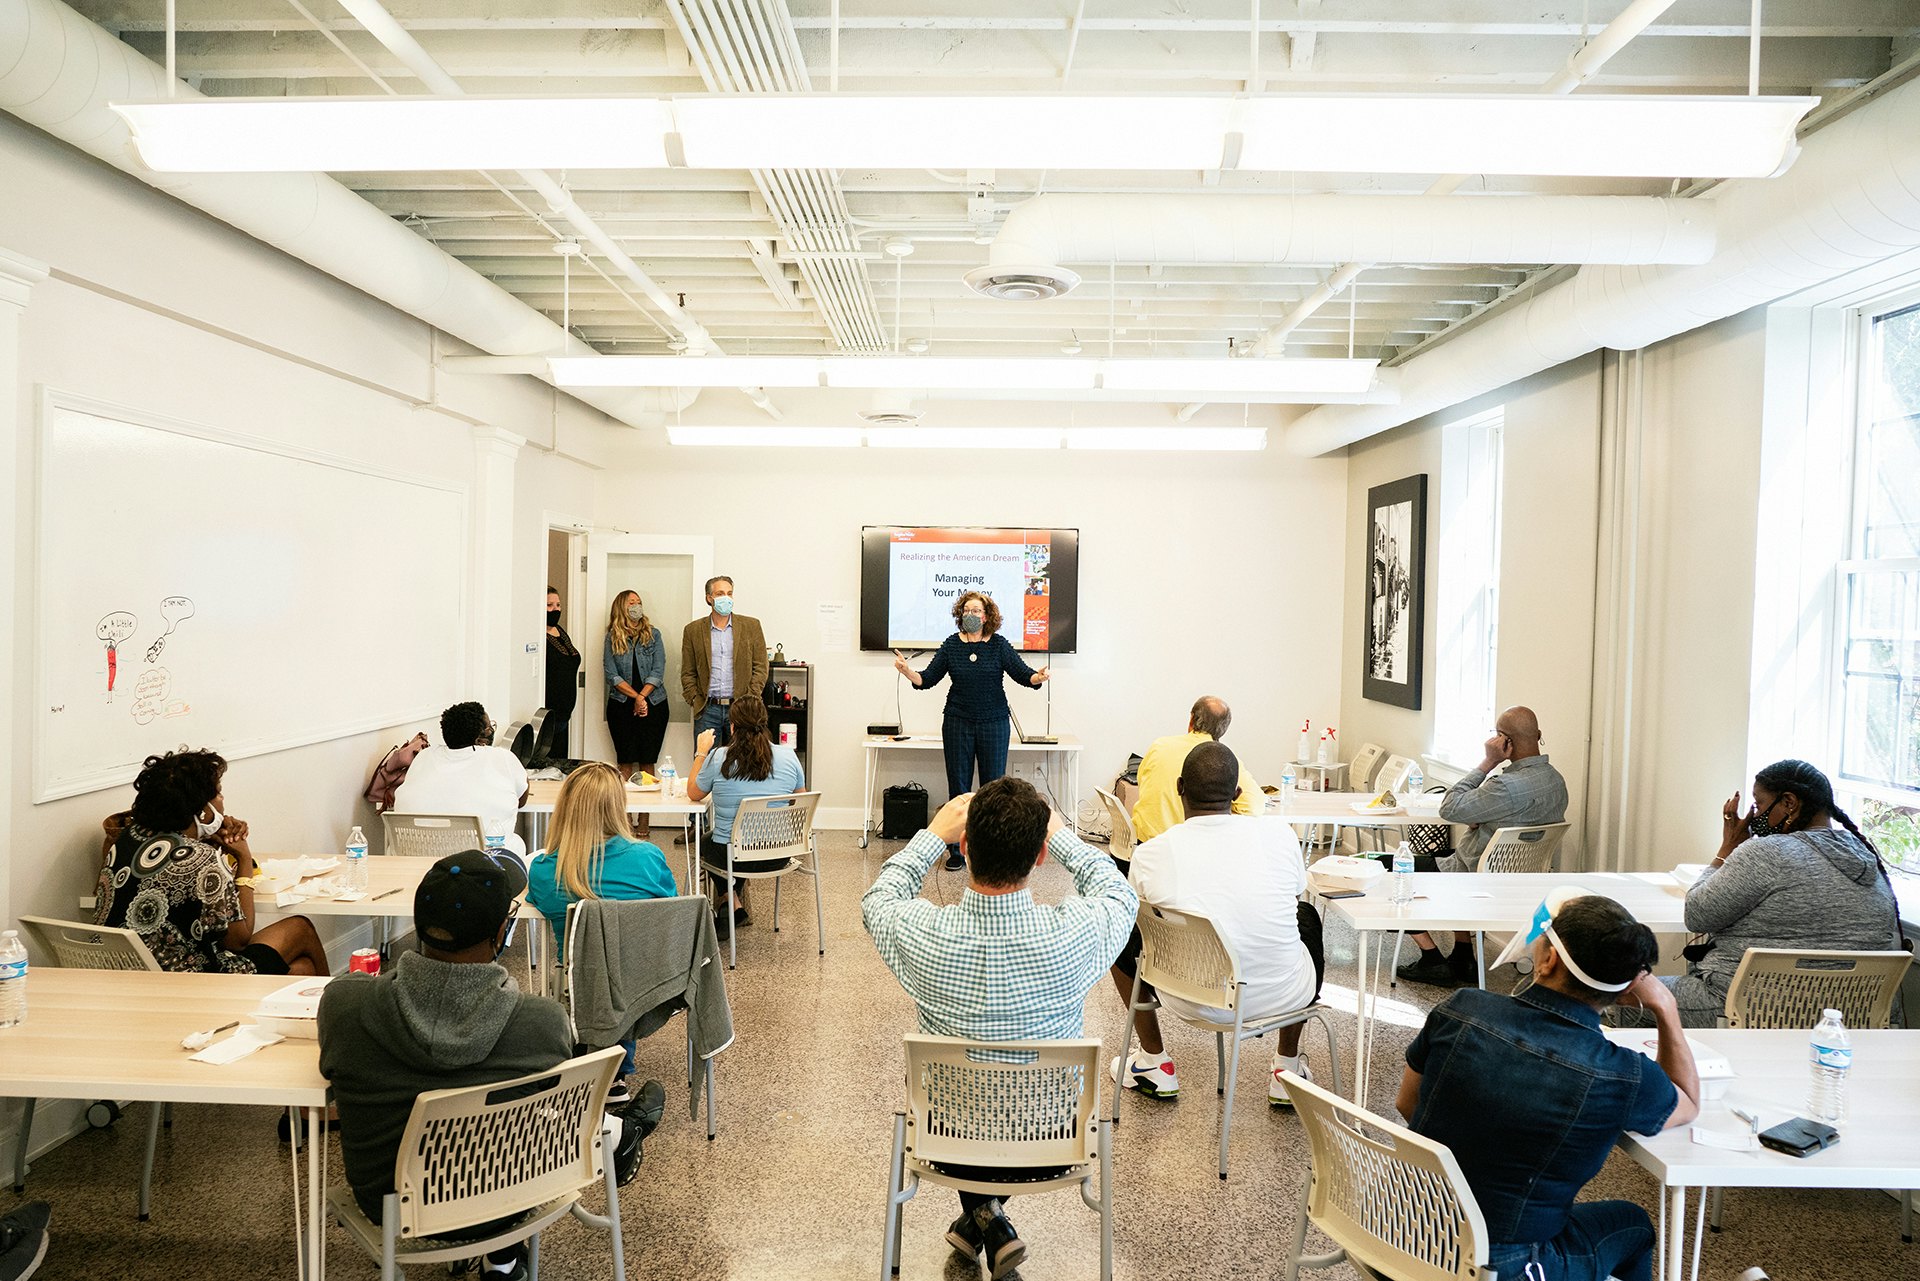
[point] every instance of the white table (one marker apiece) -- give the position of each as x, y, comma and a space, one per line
1879, 1146
1476, 901
1319, 809
1062, 757
115, 1034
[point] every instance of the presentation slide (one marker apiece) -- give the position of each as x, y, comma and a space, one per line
912, 575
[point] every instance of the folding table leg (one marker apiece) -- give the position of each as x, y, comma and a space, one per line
20, 1152
146, 1169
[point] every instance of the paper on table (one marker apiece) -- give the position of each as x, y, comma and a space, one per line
1725, 1140
835, 620
243, 1042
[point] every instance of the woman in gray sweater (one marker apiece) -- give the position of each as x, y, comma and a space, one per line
1786, 876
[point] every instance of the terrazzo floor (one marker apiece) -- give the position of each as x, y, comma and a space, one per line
793, 1186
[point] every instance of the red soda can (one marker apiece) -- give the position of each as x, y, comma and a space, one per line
364, 961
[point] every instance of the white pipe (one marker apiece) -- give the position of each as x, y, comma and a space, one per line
1062, 228
398, 41
58, 72
1851, 200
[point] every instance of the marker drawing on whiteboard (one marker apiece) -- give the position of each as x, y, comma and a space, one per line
113, 629
150, 695
175, 609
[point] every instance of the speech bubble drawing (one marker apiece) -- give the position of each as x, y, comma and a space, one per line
113, 629
150, 694
176, 610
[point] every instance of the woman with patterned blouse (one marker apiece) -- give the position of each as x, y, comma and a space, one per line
179, 873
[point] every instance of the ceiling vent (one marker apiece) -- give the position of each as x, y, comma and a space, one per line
1021, 284
890, 418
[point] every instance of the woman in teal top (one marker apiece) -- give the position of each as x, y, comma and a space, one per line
751, 765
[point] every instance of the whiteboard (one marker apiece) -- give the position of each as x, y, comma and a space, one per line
200, 587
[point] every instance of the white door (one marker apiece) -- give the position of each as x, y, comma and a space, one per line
670, 573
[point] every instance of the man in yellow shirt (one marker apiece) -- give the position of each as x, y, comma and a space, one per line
1159, 805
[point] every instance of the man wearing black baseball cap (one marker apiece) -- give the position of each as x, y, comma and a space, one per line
443, 1017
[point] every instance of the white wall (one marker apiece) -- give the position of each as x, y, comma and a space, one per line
1198, 574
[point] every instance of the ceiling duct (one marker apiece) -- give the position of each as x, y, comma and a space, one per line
1060, 228
1850, 201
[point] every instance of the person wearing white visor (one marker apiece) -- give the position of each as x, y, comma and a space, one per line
1531, 1096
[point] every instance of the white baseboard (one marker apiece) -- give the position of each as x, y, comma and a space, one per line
837, 818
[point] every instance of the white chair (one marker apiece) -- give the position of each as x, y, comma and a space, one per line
432, 835
1182, 955
1007, 1105
766, 828
1393, 775
75, 945
1394, 1203
1529, 849
521, 1149
1365, 762
1120, 834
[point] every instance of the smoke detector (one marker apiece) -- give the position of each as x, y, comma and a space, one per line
918, 346
897, 247
1021, 284
891, 409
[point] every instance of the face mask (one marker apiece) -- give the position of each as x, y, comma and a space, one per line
206, 829
1761, 824
633, 613
723, 605
971, 623
553, 618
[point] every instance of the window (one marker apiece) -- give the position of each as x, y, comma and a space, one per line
1879, 696
1469, 617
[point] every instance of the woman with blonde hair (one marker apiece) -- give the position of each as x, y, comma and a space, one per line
591, 853
634, 660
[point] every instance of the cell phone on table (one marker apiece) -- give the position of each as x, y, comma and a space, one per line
1344, 894
1799, 1137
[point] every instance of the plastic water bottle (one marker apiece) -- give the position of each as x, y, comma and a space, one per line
494, 833
1829, 1058
668, 776
357, 859
13, 979
1286, 787
1416, 781
1402, 875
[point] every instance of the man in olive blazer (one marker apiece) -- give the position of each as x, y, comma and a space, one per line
743, 649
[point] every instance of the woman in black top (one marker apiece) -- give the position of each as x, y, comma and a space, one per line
973, 730
563, 679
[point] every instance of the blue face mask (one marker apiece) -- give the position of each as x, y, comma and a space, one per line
723, 605
971, 623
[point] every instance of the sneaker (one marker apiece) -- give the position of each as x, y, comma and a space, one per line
1466, 971
964, 1236
955, 862
23, 1239
1431, 968
620, 1095
648, 1106
1277, 1089
722, 925
1155, 1080
626, 1153
1002, 1246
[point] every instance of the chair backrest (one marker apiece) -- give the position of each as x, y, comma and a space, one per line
775, 826
1393, 775
1120, 836
1777, 987
585, 975
1396, 1202
1181, 955
1523, 849
1365, 762
74, 945
489, 1151
432, 835
966, 1110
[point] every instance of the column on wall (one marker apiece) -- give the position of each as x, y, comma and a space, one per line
18, 276
490, 580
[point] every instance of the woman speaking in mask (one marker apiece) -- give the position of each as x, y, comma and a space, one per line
974, 729
635, 663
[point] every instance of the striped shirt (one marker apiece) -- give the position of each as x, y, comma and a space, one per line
1528, 791
1000, 967
978, 695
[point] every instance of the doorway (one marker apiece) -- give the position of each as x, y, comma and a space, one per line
670, 573
566, 576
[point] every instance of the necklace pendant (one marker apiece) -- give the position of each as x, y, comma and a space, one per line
973, 658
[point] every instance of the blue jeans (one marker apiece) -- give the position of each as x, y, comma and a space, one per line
1601, 1239
626, 1057
713, 717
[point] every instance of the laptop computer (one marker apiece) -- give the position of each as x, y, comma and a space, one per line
1025, 737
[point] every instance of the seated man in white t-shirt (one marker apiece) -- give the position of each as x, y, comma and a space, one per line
1245, 875
467, 774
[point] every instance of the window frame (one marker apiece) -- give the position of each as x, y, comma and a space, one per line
1458, 445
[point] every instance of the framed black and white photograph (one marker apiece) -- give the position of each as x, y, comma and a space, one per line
1396, 591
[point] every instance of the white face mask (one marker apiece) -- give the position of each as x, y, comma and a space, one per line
206, 829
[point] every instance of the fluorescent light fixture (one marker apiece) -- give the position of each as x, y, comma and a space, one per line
1018, 373
685, 371
767, 437
1170, 439
247, 135
1602, 135
1251, 374
1605, 135
963, 437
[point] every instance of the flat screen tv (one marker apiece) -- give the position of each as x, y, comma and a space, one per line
910, 576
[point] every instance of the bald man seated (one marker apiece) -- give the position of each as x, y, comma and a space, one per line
1529, 790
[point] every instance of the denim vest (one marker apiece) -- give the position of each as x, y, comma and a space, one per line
1531, 1097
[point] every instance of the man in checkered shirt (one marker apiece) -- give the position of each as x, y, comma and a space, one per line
997, 966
